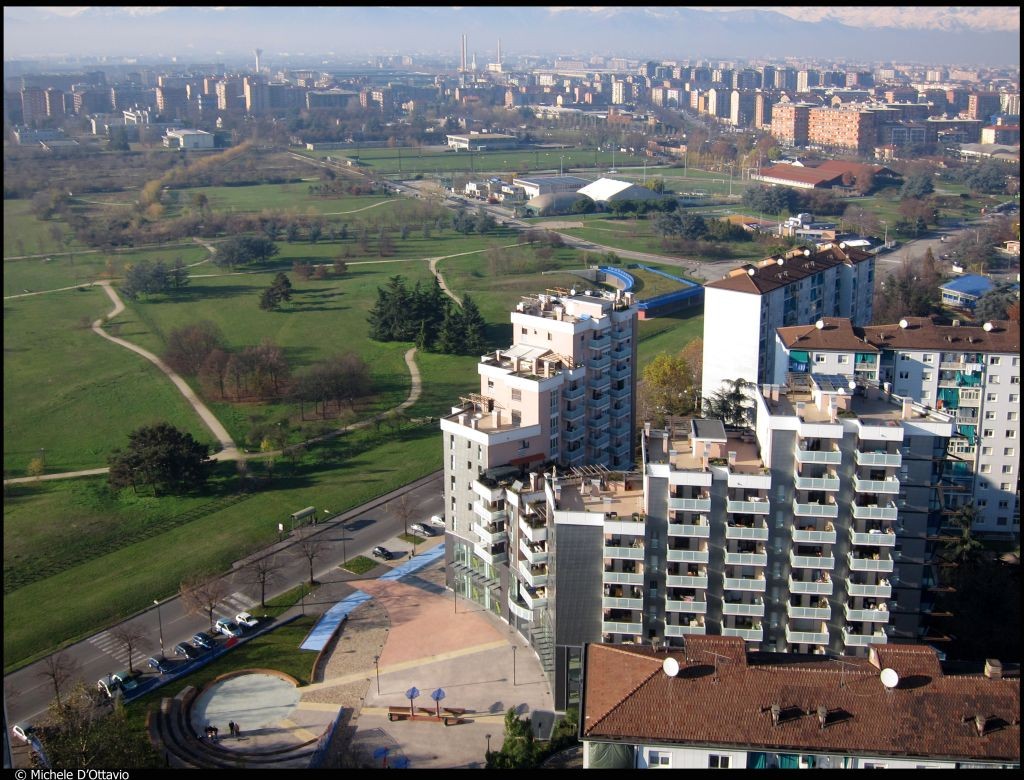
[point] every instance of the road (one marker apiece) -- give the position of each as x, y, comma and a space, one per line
353, 533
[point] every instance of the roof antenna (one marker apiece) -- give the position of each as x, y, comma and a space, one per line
842, 669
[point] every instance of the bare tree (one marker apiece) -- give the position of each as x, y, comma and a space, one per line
132, 637
262, 572
201, 595
58, 669
404, 509
311, 549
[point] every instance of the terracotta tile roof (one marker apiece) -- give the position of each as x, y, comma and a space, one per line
924, 333
798, 174
857, 169
838, 334
770, 276
627, 697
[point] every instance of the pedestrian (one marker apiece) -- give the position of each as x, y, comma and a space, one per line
238, 730
231, 727
215, 734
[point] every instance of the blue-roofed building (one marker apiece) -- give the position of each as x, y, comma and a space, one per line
964, 291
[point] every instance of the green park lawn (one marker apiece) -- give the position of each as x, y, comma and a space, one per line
292, 196
26, 234
71, 396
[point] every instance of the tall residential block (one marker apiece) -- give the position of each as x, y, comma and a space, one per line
842, 128
790, 122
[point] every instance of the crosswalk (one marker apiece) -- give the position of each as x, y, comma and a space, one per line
109, 644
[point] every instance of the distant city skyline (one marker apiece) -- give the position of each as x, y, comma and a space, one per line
954, 35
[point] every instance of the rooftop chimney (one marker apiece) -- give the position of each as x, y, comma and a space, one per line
497, 417
993, 668
908, 408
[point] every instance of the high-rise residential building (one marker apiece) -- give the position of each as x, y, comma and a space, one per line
718, 104
971, 372
171, 101
805, 79
763, 104
562, 394
842, 128
742, 108
790, 122
55, 103
742, 310
33, 105
1009, 103
983, 105
786, 79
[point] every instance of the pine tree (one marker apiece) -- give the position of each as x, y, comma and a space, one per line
473, 325
452, 336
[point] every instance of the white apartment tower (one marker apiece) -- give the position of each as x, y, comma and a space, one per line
742, 310
971, 372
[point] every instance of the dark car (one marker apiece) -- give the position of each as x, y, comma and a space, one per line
202, 639
190, 652
160, 665
383, 553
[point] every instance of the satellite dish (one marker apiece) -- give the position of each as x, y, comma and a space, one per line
889, 678
853, 383
780, 261
987, 327
904, 323
807, 253
572, 291
670, 666
751, 271
842, 245
820, 324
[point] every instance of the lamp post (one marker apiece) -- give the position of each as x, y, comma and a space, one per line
160, 623
560, 158
376, 669
488, 738
885, 236
513, 664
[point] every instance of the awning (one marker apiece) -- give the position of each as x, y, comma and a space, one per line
950, 397
799, 355
969, 431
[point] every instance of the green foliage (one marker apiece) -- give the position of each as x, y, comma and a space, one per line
731, 404
147, 279
401, 315
670, 387
359, 565
243, 250
995, 304
911, 291
989, 176
769, 200
917, 185
583, 206
161, 456
279, 290
519, 750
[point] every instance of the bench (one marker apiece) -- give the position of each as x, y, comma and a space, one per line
398, 713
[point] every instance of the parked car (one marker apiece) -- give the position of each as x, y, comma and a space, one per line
228, 627
189, 651
420, 530
202, 639
382, 552
108, 686
245, 619
23, 731
126, 681
437, 520
160, 665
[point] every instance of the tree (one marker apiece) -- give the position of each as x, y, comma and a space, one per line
989, 176
200, 595
731, 404
451, 339
311, 549
160, 455
243, 250
996, 303
518, 750
340, 266
917, 185
668, 388
131, 637
911, 291
189, 346
473, 325
262, 572
58, 669
36, 467
178, 275
279, 290
404, 509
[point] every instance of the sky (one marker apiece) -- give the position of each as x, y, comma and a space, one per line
961, 35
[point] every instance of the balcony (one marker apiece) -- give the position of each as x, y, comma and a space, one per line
874, 538
817, 483
535, 600
833, 456
746, 559
752, 584
689, 504
888, 485
612, 627
807, 637
600, 442
490, 534
815, 509
599, 363
863, 640
618, 393
749, 634
630, 553
809, 613
878, 615
808, 536
488, 514
600, 342
699, 530
878, 458
487, 492
619, 602
602, 382
755, 609
756, 533
622, 578
520, 611
699, 581
574, 434
617, 526
686, 605
819, 588
535, 531
493, 558
621, 411
881, 591
599, 422
600, 404
870, 564
533, 555
824, 562
754, 507
573, 394
875, 512
534, 576
622, 372
688, 556
682, 630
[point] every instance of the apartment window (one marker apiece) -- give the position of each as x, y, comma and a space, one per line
926, 376
517, 417
991, 397
993, 380
926, 395
986, 468
844, 359
904, 356
1011, 434
1014, 398
904, 375
718, 762
994, 361
1001, 521
523, 331
990, 415
469, 464
490, 384
819, 358
1007, 469
1011, 415
983, 502
549, 337
1006, 486
986, 450
517, 395
1004, 504
659, 759
469, 506
986, 432
1009, 451
1015, 379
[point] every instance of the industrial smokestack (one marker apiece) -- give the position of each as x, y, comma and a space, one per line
258, 53
462, 60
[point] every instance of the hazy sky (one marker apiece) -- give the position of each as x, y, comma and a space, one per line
951, 35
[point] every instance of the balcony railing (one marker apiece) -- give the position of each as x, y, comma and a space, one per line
807, 637
599, 382
535, 534
622, 411
761, 507
490, 534
492, 558
622, 578
878, 458
688, 556
818, 456
746, 559
870, 564
534, 601
533, 556
619, 602
575, 434
804, 536
822, 588
817, 483
755, 609
874, 591
622, 372
487, 492
624, 553
875, 512
682, 605
699, 581
749, 634
599, 442
888, 485
757, 533
612, 627
863, 640
693, 628
488, 514
535, 579
699, 530
600, 404
619, 393
825, 562
522, 612
600, 362
813, 613
815, 509
689, 504
867, 615
752, 584
873, 538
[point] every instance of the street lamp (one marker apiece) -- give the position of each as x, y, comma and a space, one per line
885, 236
376, 668
513, 664
560, 158
488, 737
160, 623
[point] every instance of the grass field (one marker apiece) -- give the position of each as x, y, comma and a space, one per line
293, 196
25, 234
71, 395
